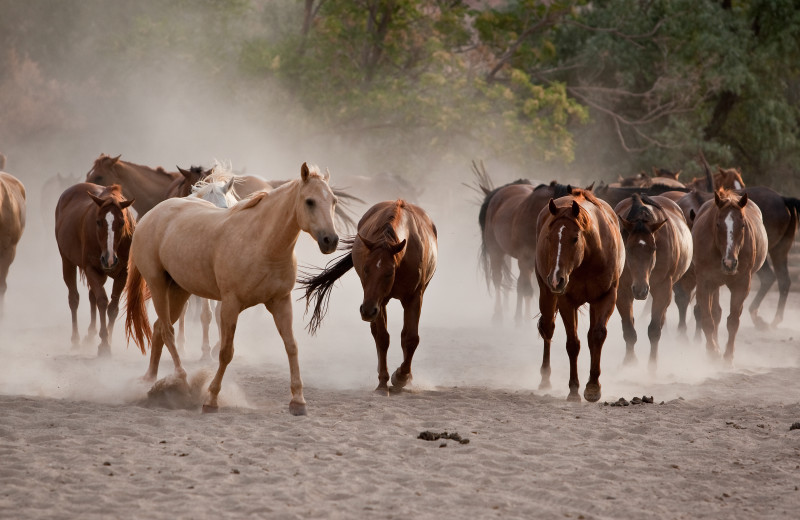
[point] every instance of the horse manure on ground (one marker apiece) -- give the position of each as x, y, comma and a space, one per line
636, 400
794, 426
433, 436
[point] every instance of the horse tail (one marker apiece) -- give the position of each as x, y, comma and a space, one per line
318, 288
137, 324
707, 170
793, 205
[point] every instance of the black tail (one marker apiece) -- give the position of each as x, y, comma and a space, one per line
318, 288
793, 204
707, 170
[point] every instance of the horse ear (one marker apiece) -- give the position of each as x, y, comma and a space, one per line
717, 200
692, 215
552, 207
304, 173
125, 203
576, 208
627, 225
743, 201
398, 247
369, 245
327, 175
653, 227
228, 185
676, 174
116, 159
185, 173
97, 200
589, 187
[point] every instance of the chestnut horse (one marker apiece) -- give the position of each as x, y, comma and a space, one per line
658, 251
506, 219
12, 224
730, 244
94, 227
579, 259
394, 255
242, 256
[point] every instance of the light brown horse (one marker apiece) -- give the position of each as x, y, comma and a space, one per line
730, 244
579, 259
394, 255
243, 256
658, 252
94, 227
12, 225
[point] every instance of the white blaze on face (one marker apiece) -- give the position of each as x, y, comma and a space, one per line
729, 229
554, 277
737, 185
110, 245
642, 242
379, 264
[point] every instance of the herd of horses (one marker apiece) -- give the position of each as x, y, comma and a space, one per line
212, 235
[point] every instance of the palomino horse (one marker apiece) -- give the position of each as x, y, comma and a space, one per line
394, 255
579, 259
658, 251
216, 188
730, 244
507, 218
12, 224
94, 227
241, 256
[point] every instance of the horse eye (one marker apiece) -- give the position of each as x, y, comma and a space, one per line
575, 240
100, 222
310, 203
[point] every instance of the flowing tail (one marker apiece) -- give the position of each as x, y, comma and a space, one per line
137, 324
318, 288
707, 171
793, 204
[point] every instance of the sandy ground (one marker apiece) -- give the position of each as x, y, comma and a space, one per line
79, 436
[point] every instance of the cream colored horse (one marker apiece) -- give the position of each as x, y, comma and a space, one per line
243, 257
12, 224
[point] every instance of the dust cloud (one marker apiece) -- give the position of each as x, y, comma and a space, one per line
156, 118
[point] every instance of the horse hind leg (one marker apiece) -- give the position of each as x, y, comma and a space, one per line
767, 278
524, 291
205, 320
6, 257
625, 308
784, 283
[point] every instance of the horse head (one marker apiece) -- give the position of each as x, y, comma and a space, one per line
561, 244
729, 228
315, 208
728, 178
103, 171
639, 229
114, 225
218, 191
380, 265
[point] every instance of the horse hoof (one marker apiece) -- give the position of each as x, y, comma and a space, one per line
104, 351
383, 391
592, 393
207, 408
297, 408
400, 382
544, 385
630, 360
574, 397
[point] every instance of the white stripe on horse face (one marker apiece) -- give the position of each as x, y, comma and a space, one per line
110, 246
729, 228
558, 252
379, 264
642, 242
737, 185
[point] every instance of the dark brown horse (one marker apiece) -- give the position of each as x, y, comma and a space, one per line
658, 251
145, 185
507, 218
12, 224
182, 186
94, 227
394, 255
579, 259
730, 244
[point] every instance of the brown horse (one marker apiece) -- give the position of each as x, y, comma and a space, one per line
94, 227
579, 259
394, 255
243, 256
658, 251
182, 186
145, 185
730, 244
12, 224
507, 218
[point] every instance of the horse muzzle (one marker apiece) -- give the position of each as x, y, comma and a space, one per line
327, 243
557, 285
106, 266
730, 266
640, 291
369, 312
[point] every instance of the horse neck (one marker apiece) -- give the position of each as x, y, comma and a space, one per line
278, 228
147, 185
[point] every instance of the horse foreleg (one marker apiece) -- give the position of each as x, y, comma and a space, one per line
547, 325
767, 278
569, 316
705, 298
181, 337
409, 339
662, 295
92, 330
205, 320
739, 292
70, 272
281, 310
98, 293
380, 334
6, 257
625, 308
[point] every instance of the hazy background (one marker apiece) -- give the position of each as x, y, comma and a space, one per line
179, 83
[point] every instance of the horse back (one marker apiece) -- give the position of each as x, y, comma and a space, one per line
503, 214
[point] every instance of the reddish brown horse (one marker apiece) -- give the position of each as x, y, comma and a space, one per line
94, 228
182, 186
145, 185
394, 255
730, 244
579, 259
658, 251
12, 224
506, 218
